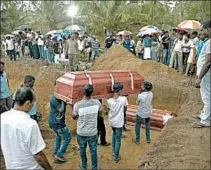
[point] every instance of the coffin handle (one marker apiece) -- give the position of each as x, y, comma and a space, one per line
112, 81
132, 81
90, 79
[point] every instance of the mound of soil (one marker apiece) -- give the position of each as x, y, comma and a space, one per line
119, 58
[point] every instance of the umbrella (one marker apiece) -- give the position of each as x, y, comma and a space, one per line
190, 24
56, 37
16, 32
62, 31
180, 30
51, 32
75, 28
124, 33
149, 27
149, 31
23, 27
9, 35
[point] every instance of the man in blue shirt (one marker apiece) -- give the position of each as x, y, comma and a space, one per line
29, 81
56, 121
6, 101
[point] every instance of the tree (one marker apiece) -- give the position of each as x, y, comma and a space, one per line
11, 17
48, 15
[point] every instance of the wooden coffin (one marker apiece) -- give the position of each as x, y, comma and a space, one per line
69, 86
156, 117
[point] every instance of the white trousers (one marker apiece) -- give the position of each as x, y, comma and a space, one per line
205, 95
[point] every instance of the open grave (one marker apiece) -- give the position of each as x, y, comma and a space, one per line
177, 146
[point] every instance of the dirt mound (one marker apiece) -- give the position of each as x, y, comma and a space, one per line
119, 58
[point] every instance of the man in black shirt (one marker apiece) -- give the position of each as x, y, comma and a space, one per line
165, 42
108, 42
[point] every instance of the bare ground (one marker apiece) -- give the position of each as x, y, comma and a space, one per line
178, 146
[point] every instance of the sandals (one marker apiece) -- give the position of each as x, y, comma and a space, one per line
105, 144
134, 141
124, 136
199, 125
196, 117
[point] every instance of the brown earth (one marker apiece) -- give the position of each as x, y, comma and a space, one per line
178, 146
45, 77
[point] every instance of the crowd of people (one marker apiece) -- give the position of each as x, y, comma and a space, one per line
179, 50
22, 143
29, 44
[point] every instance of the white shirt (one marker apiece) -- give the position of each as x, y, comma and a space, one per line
201, 61
80, 45
10, 44
116, 111
20, 140
178, 45
144, 102
186, 46
40, 41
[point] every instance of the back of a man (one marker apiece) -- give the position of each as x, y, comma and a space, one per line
116, 111
17, 130
87, 111
21, 140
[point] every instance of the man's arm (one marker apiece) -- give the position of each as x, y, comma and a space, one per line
74, 112
204, 70
42, 160
61, 109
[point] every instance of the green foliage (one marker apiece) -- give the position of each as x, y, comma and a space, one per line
98, 15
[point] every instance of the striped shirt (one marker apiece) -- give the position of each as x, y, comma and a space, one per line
95, 45
87, 110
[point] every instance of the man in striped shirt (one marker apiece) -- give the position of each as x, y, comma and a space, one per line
87, 111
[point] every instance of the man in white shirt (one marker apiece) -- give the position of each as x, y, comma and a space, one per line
117, 105
40, 43
203, 79
10, 46
144, 102
177, 51
21, 141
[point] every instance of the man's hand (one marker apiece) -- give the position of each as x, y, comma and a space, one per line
197, 82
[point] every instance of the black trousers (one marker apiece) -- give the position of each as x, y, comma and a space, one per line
101, 130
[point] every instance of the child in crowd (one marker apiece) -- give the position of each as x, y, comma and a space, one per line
144, 102
117, 106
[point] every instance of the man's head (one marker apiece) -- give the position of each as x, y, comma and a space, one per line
207, 28
127, 37
202, 36
194, 34
24, 99
180, 37
117, 88
88, 90
8, 37
29, 81
166, 33
187, 37
94, 37
29, 29
1, 66
147, 86
73, 36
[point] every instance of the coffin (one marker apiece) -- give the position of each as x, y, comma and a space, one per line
156, 117
69, 86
